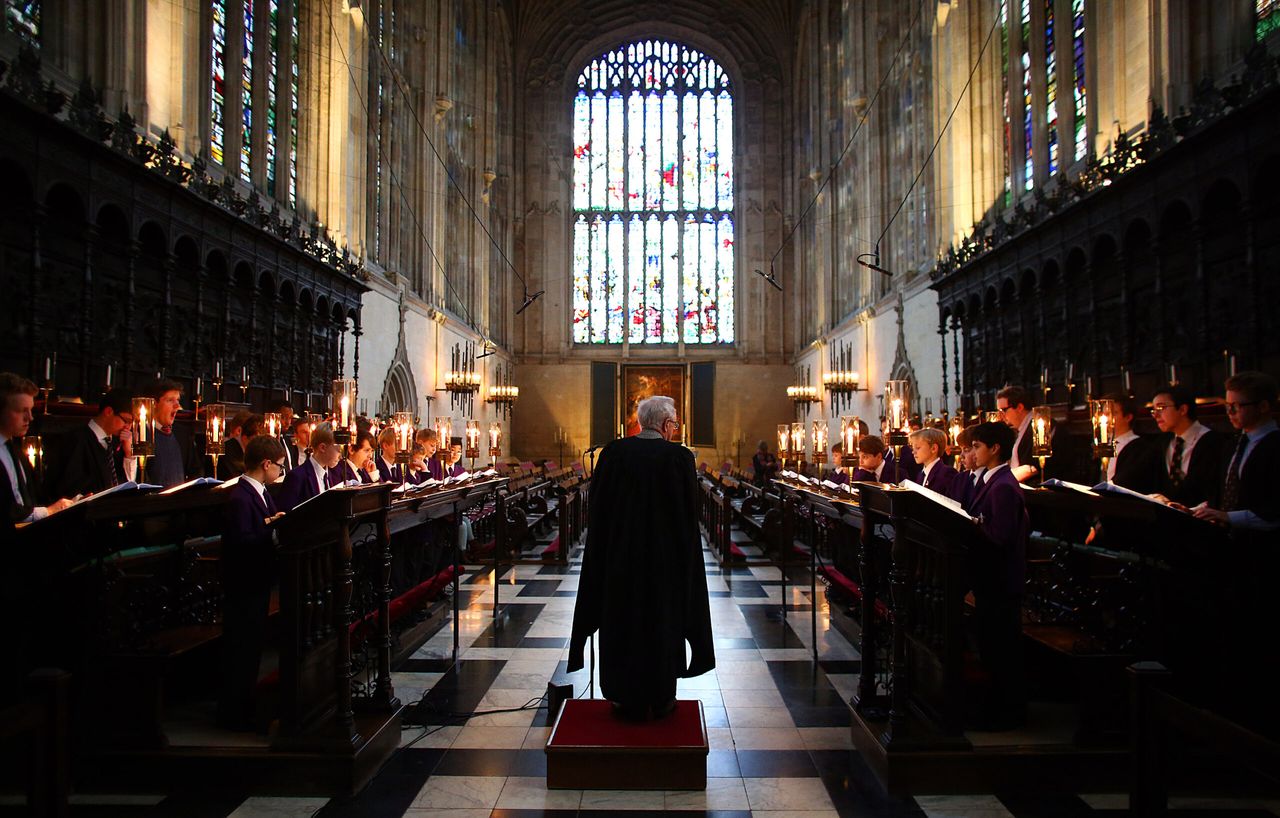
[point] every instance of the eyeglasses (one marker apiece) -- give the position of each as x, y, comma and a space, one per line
1233, 408
1160, 407
279, 464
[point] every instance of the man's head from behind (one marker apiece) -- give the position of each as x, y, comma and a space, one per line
658, 414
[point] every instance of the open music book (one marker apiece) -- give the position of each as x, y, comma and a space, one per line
199, 481
941, 499
127, 485
1055, 483
1108, 487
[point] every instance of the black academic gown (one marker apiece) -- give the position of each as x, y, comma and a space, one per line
643, 585
84, 466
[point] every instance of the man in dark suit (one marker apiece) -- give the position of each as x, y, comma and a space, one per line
243, 427
248, 568
1136, 463
297, 443
1193, 455
356, 468
1250, 491
93, 457
998, 574
18, 491
927, 446
312, 478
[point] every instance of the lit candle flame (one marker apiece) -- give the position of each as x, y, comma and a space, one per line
31, 455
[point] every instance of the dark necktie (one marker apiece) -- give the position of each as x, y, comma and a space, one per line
1176, 472
113, 479
288, 459
24, 491
1231, 489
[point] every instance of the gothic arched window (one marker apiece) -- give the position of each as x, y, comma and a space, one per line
653, 231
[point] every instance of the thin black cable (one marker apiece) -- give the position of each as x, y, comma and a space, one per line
395, 181
861, 121
972, 70
431, 144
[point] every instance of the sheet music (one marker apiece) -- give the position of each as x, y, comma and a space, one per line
940, 499
199, 481
127, 485
1054, 482
1112, 488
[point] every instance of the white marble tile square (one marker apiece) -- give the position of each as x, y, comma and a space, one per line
720, 738
622, 800
459, 792
437, 737
963, 806
767, 738
447, 813
787, 794
536, 738
532, 793
707, 681
720, 794
278, 807
753, 697
795, 813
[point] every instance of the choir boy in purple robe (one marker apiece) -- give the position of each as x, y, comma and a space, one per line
927, 446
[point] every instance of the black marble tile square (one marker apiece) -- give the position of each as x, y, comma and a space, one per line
798, 675
491, 763
746, 589
776, 764
719, 594
392, 791
530, 764
553, 570
1048, 805
539, 587
734, 643
812, 697
854, 788
544, 642
565, 594
841, 665
533, 813
513, 622
803, 716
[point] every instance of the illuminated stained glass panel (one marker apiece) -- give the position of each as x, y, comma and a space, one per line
653, 240
246, 99
1268, 18
1051, 86
1028, 168
293, 107
22, 17
1079, 87
273, 65
1004, 84
218, 104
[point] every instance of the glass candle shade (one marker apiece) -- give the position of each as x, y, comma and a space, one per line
992, 417
820, 441
472, 439
1102, 418
215, 428
444, 431
897, 402
1041, 432
344, 403
784, 439
495, 438
144, 440
33, 450
271, 424
850, 436
797, 440
402, 423
953, 432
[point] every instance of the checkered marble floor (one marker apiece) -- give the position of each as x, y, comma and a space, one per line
779, 726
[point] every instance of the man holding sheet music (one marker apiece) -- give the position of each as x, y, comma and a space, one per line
17, 496
1250, 499
93, 457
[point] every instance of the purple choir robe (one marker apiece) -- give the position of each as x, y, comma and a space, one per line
300, 485
1002, 568
948, 482
248, 555
456, 469
343, 472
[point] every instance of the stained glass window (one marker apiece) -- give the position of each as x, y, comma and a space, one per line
22, 17
1028, 169
246, 98
1081, 97
1004, 84
293, 106
653, 233
1268, 17
1051, 86
273, 65
218, 106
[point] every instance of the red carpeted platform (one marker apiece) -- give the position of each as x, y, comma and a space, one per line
592, 749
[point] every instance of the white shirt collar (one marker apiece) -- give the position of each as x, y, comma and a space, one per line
1194, 431
321, 471
262, 492
98, 433
924, 475
989, 472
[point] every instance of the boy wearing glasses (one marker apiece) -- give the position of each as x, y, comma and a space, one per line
1250, 498
248, 568
1192, 466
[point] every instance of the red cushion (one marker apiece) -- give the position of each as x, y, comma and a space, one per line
553, 548
735, 551
591, 723
838, 579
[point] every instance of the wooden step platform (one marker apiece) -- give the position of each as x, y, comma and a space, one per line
592, 749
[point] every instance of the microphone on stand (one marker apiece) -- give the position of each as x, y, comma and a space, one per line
770, 278
529, 299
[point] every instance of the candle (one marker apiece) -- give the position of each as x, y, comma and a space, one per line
1128, 384
108, 376
215, 429
344, 410
217, 370
199, 383
48, 369
244, 374
31, 455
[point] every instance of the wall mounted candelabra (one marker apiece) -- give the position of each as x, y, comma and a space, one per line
841, 380
461, 380
802, 393
502, 393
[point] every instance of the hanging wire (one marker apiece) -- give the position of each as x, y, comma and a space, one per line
771, 278
875, 256
395, 181
408, 102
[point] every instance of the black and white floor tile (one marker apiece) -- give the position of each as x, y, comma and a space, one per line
779, 727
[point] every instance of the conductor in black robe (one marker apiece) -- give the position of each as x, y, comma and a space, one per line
643, 584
